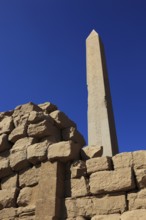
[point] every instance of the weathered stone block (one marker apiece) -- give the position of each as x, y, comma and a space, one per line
134, 215
29, 177
98, 164
8, 214
36, 117
5, 169
48, 107
10, 182
140, 178
26, 212
62, 120
77, 187
76, 169
42, 129
37, 153
71, 133
91, 152
111, 181
137, 200
4, 143
123, 160
18, 133
8, 198
106, 217
18, 157
27, 196
6, 125
64, 151
139, 159
89, 206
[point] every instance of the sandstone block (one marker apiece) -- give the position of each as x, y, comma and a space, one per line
42, 129
29, 177
8, 198
26, 212
98, 164
64, 151
18, 157
27, 196
62, 120
18, 133
134, 215
123, 160
140, 178
106, 217
139, 159
48, 107
6, 125
77, 218
89, 206
4, 143
91, 152
77, 187
111, 181
37, 153
10, 182
71, 133
36, 117
8, 214
137, 200
5, 169
76, 169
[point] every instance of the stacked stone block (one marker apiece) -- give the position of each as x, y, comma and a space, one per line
105, 188
32, 139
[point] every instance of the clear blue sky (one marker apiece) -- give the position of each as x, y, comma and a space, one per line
42, 58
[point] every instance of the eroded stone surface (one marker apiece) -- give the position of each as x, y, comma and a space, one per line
98, 164
64, 151
91, 152
6, 125
29, 177
10, 182
27, 196
8, 198
137, 200
111, 181
4, 143
48, 107
106, 217
134, 215
123, 160
18, 133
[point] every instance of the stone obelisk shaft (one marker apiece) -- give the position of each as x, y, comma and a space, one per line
101, 126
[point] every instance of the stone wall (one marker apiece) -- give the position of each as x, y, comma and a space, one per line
45, 172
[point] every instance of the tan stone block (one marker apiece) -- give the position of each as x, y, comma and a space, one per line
42, 129
27, 196
111, 181
36, 117
5, 169
26, 212
29, 177
71, 133
140, 178
77, 169
139, 159
10, 182
106, 217
18, 133
98, 164
137, 200
6, 125
8, 198
18, 157
91, 152
89, 206
64, 151
37, 153
4, 143
48, 107
139, 214
62, 120
8, 214
77, 218
77, 187
123, 160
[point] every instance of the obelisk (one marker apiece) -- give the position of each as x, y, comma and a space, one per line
101, 125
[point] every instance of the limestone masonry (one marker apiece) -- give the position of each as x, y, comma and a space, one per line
46, 173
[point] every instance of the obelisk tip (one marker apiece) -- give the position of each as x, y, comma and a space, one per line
93, 34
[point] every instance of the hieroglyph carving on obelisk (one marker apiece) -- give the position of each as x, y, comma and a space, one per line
101, 126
